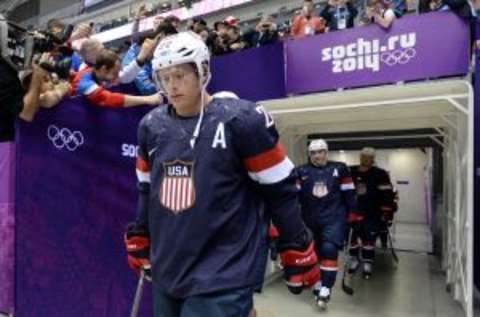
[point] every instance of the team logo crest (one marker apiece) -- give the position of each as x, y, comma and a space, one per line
177, 190
320, 190
361, 189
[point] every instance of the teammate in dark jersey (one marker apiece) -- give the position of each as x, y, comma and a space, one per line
207, 168
327, 197
376, 199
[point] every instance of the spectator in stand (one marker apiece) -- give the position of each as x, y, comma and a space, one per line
379, 12
206, 35
174, 20
463, 8
143, 80
89, 50
398, 6
236, 42
284, 30
197, 24
426, 6
265, 33
220, 39
107, 70
339, 15
307, 23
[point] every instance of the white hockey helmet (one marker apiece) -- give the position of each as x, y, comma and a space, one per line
182, 48
318, 145
369, 151
225, 94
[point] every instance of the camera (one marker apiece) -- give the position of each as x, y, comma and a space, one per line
19, 47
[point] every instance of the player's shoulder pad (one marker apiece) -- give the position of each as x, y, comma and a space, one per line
236, 107
379, 171
155, 116
246, 114
305, 169
338, 164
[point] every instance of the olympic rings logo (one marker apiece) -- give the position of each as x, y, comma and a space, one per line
65, 138
398, 56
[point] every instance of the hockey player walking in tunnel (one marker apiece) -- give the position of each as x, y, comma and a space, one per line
375, 199
206, 167
327, 197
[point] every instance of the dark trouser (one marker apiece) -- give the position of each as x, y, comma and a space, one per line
367, 233
328, 241
232, 303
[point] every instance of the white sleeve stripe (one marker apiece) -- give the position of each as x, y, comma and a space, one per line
273, 174
347, 186
330, 269
143, 177
91, 89
129, 72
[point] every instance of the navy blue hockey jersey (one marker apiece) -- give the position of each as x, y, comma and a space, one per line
374, 190
202, 205
327, 192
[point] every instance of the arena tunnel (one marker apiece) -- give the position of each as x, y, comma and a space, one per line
423, 134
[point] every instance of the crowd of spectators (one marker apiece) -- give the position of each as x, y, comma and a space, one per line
93, 68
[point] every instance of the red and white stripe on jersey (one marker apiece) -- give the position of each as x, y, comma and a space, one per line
143, 170
177, 193
385, 187
346, 183
329, 265
269, 167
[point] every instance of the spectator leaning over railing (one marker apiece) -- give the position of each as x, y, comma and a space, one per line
143, 80
307, 23
107, 69
379, 12
339, 15
89, 50
80, 34
51, 91
265, 33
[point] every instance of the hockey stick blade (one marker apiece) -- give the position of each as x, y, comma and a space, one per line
347, 289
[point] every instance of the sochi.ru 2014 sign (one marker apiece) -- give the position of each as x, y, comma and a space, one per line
416, 47
370, 55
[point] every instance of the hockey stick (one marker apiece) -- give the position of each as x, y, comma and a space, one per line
392, 249
138, 294
346, 262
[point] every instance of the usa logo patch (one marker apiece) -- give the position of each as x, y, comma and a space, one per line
177, 190
320, 190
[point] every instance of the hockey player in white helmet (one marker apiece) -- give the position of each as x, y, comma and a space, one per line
327, 198
207, 169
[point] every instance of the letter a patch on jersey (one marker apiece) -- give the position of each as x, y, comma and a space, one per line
177, 190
